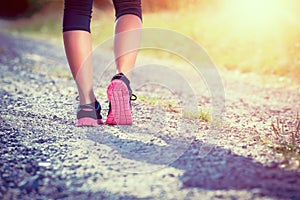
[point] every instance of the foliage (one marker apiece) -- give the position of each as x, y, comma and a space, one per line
287, 136
13, 9
154, 5
273, 52
291, 129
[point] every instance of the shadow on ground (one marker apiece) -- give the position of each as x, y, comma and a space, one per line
219, 170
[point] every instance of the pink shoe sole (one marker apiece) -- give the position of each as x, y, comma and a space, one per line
118, 96
88, 122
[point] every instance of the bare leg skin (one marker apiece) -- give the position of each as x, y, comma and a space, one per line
125, 42
78, 47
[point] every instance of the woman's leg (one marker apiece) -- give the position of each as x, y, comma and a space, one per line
126, 42
78, 49
127, 34
78, 46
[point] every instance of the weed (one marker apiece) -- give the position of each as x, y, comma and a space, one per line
205, 115
287, 136
62, 73
202, 114
169, 105
166, 105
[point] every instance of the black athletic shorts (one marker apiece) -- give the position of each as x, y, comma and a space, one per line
78, 13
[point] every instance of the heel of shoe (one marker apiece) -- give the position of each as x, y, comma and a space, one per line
88, 122
120, 110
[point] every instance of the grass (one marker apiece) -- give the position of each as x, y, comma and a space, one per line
164, 104
201, 114
62, 73
293, 130
266, 52
262, 54
286, 137
169, 105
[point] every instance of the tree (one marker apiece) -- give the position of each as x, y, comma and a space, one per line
12, 9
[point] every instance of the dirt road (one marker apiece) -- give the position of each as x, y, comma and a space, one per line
44, 156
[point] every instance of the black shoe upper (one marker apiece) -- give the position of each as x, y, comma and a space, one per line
122, 77
92, 111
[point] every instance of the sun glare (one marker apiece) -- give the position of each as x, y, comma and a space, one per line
260, 19
254, 34
256, 12
255, 15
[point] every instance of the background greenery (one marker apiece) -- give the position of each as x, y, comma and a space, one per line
262, 51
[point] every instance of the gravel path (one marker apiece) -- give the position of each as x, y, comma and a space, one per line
44, 156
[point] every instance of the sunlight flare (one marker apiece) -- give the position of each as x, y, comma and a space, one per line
256, 12
264, 17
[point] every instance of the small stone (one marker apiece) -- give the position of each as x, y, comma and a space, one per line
10, 106
46, 181
44, 164
29, 183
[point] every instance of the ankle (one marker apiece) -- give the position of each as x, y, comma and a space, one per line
126, 74
87, 100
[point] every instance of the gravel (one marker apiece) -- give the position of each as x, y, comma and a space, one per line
162, 156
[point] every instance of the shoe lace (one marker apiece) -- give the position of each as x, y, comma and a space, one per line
88, 105
133, 97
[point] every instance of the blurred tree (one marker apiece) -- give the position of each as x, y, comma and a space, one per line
159, 5
12, 9
102, 4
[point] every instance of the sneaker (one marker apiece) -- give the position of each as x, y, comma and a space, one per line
120, 96
89, 114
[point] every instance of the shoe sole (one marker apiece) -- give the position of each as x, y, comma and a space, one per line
88, 122
118, 96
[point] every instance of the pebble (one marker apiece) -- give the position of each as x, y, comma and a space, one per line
44, 164
46, 157
29, 183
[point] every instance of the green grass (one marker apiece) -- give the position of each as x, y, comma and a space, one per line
292, 129
202, 114
285, 138
62, 73
167, 105
288, 150
268, 53
263, 54
170, 105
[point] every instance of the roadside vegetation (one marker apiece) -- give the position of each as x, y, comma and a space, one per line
234, 43
286, 136
284, 139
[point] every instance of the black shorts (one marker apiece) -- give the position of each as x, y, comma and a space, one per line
78, 13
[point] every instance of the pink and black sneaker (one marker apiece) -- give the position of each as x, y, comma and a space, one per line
89, 114
120, 96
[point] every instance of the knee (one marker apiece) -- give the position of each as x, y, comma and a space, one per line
77, 15
123, 7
